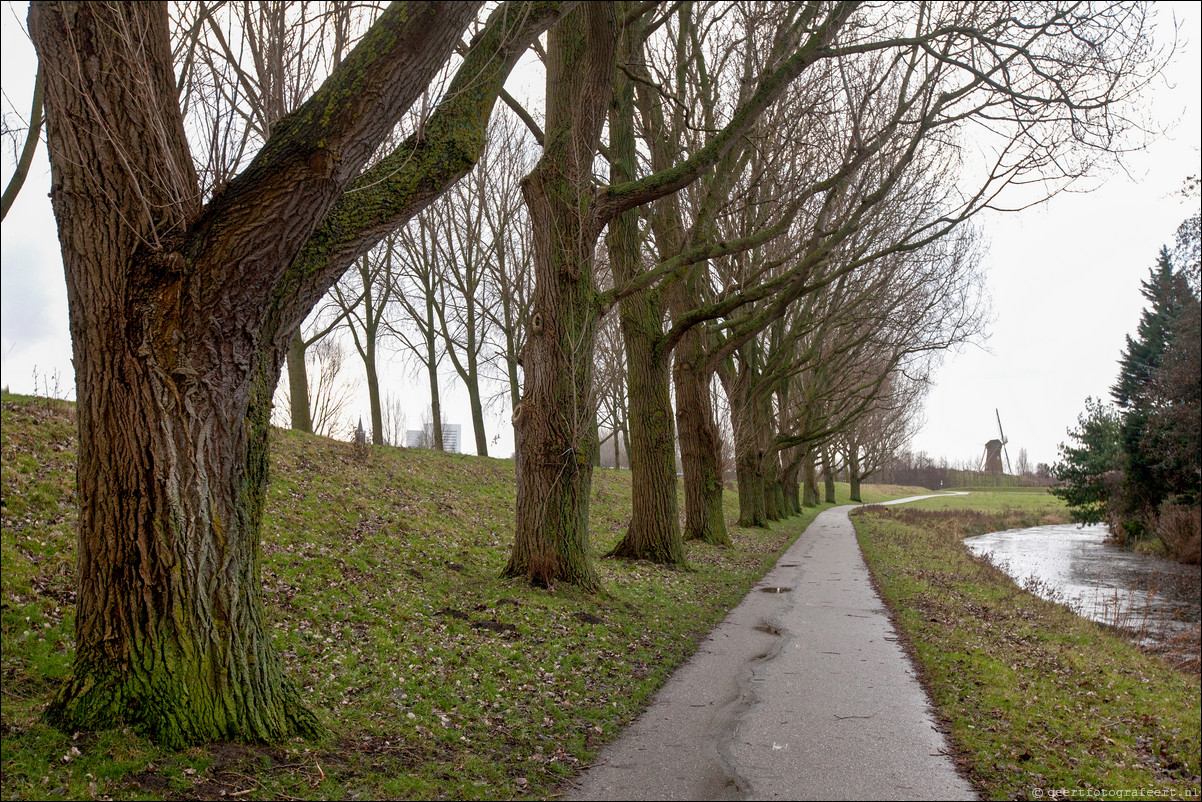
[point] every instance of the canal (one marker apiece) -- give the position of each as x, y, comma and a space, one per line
1154, 599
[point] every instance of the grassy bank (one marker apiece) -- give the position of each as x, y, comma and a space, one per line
1035, 697
436, 678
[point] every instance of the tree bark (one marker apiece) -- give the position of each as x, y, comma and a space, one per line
700, 443
654, 530
432, 374
853, 472
552, 426
828, 476
791, 484
774, 491
298, 385
810, 494
749, 427
181, 318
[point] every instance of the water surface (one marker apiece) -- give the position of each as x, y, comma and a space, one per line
1075, 565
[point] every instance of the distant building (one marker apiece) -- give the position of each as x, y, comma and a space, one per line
424, 438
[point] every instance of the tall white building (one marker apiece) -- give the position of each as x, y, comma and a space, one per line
424, 438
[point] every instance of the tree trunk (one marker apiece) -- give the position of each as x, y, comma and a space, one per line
774, 491
853, 472
169, 621
791, 485
552, 427
173, 410
654, 530
749, 462
298, 385
828, 476
470, 373
181, 318
597, 435
810, 496
700, 444
373, 386
432, 376
473, 396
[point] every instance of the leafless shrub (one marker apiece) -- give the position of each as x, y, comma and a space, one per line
1180, 529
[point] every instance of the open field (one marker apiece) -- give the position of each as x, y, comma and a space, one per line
435, 678
1035, 698
1017, 503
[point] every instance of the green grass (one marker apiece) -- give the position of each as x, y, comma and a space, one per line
1017, 504
1036, 698
435, 677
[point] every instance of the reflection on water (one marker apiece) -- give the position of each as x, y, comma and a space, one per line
1074, 564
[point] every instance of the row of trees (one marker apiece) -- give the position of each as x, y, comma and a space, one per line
772, 196
907, 468
1135, 465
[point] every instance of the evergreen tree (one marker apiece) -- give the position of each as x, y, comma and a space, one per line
1144, 482
1084, 469
1172, 439
1163, 290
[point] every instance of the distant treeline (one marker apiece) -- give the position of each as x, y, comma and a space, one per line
922, 471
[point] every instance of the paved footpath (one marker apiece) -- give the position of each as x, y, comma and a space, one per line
801, 693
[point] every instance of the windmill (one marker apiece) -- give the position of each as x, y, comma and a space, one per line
991, 460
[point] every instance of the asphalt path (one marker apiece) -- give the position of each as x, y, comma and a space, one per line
802, 692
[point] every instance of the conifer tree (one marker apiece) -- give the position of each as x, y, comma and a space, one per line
1144, 484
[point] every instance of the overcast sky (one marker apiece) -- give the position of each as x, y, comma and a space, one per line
1064, 279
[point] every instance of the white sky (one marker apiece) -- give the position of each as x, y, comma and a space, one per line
1064, 278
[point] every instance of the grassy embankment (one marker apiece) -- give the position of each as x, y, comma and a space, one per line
436, 678
1035, 697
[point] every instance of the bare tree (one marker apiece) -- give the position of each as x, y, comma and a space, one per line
554, 426
394, 420
332, 394
464, 252
183, 297
363, 297
417, 295
1022, 465
510, 282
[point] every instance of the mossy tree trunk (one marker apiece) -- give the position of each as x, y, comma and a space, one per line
181, 318
654, 530
700, 442
750, 428
553, 428
567, 215
169, 617
774, 491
